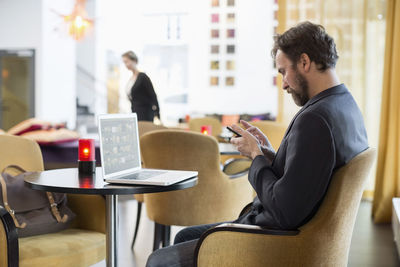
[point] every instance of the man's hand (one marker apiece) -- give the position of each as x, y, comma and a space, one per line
262, 139
265, 145
247, 145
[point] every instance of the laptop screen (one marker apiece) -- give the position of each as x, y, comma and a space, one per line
119, 143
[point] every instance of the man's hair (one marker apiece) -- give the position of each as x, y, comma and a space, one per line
308, 38
131, 55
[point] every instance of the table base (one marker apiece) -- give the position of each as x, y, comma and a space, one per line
112, 230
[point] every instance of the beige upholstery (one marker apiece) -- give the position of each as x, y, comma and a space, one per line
145, 127
323, 241
83, 245
3, 246
215, 198
196, 123
273, 130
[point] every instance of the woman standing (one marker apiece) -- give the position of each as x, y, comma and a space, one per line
140, 90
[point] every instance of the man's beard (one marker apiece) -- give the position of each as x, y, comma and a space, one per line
301, 97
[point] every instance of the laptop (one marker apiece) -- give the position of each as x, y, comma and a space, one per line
120, 154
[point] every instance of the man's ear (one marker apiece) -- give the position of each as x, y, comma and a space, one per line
304, 62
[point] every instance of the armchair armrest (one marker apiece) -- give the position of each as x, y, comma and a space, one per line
235, 168
9, 251
90, 212
232, 244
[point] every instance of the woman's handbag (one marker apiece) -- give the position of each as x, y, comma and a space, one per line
34, 212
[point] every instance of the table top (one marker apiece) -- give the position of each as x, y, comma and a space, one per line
227, 149
70, 181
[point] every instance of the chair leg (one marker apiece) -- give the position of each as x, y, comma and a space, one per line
158, 236
166, 236
139, 211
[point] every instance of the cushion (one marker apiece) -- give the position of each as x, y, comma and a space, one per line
72, 247
29, 125
52, 136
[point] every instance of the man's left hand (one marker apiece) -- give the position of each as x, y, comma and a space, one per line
247, 145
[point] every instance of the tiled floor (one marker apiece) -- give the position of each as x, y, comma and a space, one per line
372, 245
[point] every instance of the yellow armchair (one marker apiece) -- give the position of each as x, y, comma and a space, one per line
81, 245
196, 123
144, 127
323, 241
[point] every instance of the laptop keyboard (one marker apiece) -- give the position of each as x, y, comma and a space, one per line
143, 175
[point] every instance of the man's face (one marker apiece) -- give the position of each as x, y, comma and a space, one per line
293, 81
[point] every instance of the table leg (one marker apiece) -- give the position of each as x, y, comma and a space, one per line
112, 230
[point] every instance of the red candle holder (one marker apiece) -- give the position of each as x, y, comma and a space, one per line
206, 129
86, 156
86, 180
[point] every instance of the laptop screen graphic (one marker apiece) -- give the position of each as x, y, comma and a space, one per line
119, 144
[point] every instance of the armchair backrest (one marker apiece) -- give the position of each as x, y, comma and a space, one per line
147, 126
273, 130
196, 123
329, 231
215, 197
20, 151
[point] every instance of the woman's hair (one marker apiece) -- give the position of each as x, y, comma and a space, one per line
132, 56
308, 38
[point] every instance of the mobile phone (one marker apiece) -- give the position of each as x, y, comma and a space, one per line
233, 131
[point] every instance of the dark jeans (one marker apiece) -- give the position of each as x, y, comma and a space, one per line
181, 254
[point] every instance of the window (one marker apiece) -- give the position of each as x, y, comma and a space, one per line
215, 3
230, 49
214, 18
230, 18
214, 65
214, 81
214, 49
229, 81
214, 33
230, 65
230, 33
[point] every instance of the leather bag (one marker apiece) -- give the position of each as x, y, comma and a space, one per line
34, 212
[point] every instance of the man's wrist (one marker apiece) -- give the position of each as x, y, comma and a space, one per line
268, 153
256, 153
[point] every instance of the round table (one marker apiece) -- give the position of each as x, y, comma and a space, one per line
227, 149
71, 182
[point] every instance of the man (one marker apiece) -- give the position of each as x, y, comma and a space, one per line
324, 135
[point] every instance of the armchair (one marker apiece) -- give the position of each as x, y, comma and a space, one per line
81, 245
144, 127
323, 241
196, 123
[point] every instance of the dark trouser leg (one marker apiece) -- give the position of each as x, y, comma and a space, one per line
192, 232
182, 253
